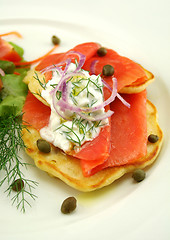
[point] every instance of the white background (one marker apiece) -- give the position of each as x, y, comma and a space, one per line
143, 30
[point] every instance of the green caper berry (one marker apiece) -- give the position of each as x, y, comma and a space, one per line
7, 66
17, 185
153, 138
55, 40
69, 205
108, 70
138, 175
43, 146
102, 51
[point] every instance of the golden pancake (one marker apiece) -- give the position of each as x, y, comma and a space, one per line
67, 168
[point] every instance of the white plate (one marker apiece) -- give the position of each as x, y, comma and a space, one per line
123, 210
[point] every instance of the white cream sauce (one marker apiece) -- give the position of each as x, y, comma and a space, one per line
83, 91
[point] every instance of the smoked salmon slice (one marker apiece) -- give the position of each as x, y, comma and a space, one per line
128, 134
98, 148
35, 113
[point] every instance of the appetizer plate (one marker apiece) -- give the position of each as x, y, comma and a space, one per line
123, 210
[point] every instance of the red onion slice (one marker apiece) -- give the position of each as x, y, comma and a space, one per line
106, 85
92, 70
67, 77
63, 73
64, 92
62, 86
118, 95
63, 79
52, 68
57, 111
76, 109
123, 100
92, 66
56, 66
82, 59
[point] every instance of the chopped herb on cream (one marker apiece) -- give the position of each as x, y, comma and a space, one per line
67, 128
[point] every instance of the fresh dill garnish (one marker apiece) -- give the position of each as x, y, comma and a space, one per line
73, 99
79, 129
11, 164
69, 131
76, 62
58, 95
38, 93
92, 103
53, 85
42, 84
83, 84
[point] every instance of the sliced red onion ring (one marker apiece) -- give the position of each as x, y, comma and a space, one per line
67, 77
56, 66
68, 62
76, 109
63, 73
63, 79
82, 59
118, 95
106, 84
92, 66
59, 112
62, 86
2, 72
64, 92
92, 69
123, 100
52, 68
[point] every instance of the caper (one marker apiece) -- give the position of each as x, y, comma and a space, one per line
55, 40
102, 51
43, 146
138, 175
69, 205
153, 138
108, 70
17, 185
7, 66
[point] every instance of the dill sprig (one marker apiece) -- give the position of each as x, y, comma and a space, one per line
42, 84
82, 84
58, 95
83, 128
11, 163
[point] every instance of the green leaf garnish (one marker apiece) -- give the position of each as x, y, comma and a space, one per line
11, 164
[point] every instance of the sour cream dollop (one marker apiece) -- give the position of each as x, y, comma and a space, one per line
73, 129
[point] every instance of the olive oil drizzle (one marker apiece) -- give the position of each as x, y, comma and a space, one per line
11, 163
